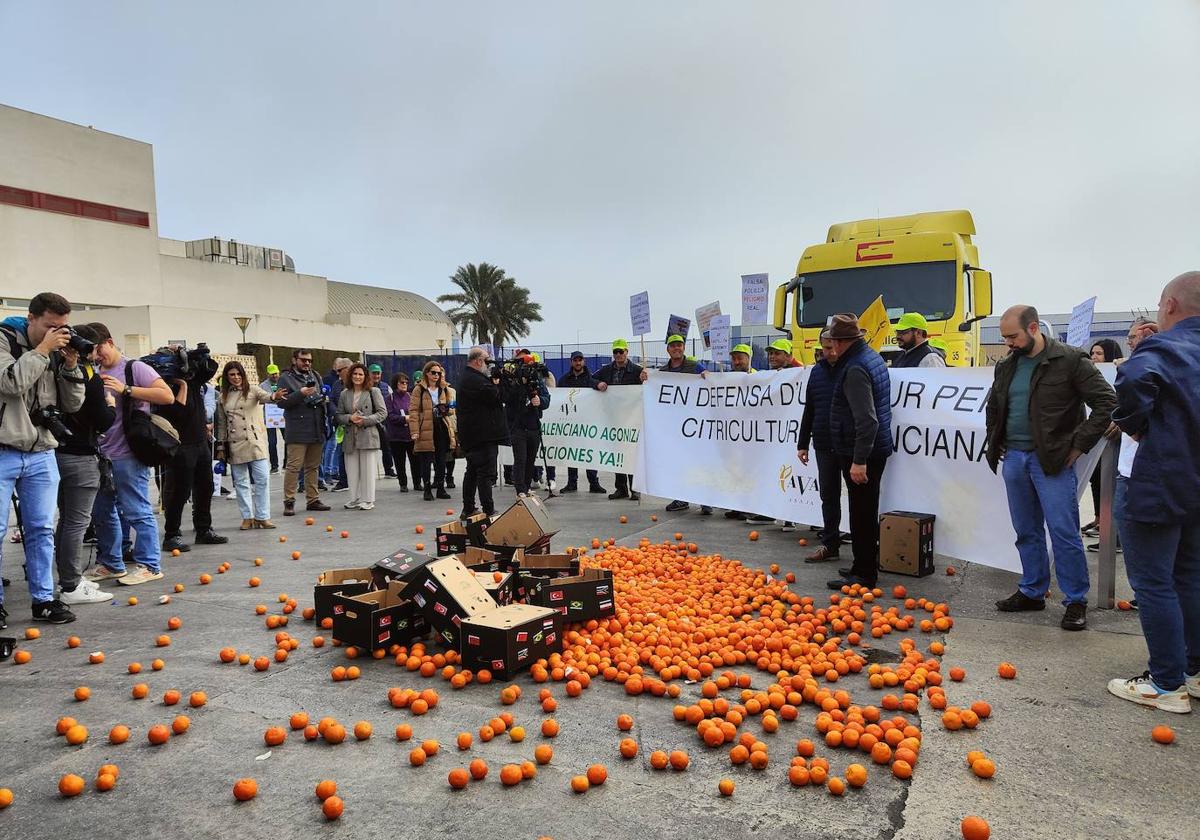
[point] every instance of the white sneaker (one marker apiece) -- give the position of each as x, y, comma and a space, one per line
787, 527
85, 593
1143, 691
366, 506
553, 485
352, 505
140, 574
1192, 684
102, 572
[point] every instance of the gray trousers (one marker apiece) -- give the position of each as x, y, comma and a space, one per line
80, 481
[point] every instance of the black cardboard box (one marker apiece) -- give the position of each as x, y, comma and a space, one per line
549, 565
377, 619
526, 523
502, 591
456, 536
906, 543
402, 565
580, 597
509, 639
347, 581
446, 593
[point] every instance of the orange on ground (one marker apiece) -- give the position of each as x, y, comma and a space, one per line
510, 774
1163, 734
725, 787
543, 753
579, 784
76, 735
458, 778
70, 785
597, 774
975, 828
479, 769
158, 735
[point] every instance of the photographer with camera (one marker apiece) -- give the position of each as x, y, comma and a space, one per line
135, 386
482, 429
40, 379
79, 468
190, 472
525, 398
303, 403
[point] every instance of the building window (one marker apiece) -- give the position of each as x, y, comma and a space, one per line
18, 197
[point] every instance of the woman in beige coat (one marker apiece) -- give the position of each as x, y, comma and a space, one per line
241, 436
432, 423
361, 410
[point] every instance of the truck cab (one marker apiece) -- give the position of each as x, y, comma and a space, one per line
925, 263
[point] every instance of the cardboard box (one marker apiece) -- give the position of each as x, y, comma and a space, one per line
503, 591
509, 639
446, 593
580, 597
402, 565
549, 565
456, 536
482, 559
347, 581
377, 619
906, 543
526, 523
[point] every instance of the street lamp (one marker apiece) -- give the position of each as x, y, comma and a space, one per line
441, 343
242, 321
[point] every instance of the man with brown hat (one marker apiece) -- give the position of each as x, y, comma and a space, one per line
860, 425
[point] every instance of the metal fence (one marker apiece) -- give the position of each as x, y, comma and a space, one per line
557, 357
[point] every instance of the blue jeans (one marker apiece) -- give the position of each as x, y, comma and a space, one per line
127, 502
1163, 565
34, 475
1037, 502
243, 475
329, 459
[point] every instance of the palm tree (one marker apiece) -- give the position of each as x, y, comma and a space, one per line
491, 307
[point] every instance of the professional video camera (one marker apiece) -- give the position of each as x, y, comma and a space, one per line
196, 365
516, 372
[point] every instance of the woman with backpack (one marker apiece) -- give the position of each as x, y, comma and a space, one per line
128, 445
241, 436
361, 411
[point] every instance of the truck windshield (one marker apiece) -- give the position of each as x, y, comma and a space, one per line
928, 288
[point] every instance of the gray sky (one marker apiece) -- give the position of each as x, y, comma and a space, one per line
596, 150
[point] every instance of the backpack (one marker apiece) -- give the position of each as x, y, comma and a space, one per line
151, 438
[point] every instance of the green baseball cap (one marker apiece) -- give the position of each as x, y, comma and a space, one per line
912, 321
938, 344
620, 344
671, 339
375, 369
272, 369
537, 357
782, 345
741, 348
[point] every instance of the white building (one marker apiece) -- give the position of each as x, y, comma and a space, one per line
78, 217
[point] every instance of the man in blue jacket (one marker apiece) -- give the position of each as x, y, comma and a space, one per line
860, 428
1158, 405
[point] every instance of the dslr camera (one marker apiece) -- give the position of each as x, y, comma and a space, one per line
78, 343
50, 418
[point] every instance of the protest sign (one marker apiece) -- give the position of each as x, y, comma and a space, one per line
639, 313
1079, 329
704, 316
677, 325
719, 331
274, 416
754, 299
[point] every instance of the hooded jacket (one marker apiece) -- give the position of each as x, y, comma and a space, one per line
28, 381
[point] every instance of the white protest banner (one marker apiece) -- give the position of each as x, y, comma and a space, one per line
274, 416
754, 299
1079, 329
639, 313
704, 316
729, 440
591, 429
720, 333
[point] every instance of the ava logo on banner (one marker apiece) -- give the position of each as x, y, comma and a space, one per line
590, 429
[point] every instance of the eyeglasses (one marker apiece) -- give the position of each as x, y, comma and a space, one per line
435, 373
620, 352
304, 361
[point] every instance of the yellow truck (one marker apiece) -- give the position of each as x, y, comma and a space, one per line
924, 263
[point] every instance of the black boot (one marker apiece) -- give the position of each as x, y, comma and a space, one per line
428, 493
